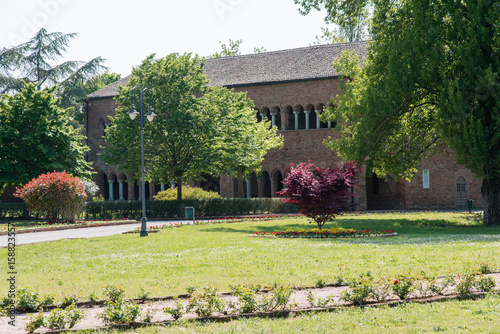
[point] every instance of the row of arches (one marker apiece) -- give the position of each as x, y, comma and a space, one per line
263, 185
295, 118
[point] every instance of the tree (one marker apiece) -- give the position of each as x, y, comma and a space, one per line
246, 141
320, 195
192, 133
31, 62
351, 18
57, 193
431, 78
35, 138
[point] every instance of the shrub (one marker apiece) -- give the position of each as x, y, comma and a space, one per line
187, 193
403, 286
29, 301
320, 194
113, 292
206, 303
58, 194
120, 312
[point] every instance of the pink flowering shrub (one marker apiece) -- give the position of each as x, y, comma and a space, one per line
59, 194
320, 194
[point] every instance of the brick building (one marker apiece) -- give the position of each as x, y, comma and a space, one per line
291, 88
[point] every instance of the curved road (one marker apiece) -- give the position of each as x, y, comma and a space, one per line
88, 232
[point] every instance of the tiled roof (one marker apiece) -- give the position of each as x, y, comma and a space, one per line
308, 63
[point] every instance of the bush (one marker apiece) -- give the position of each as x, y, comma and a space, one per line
321, 194
58, 194
175, 208
187, 193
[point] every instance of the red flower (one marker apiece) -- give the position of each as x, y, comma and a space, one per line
396, 282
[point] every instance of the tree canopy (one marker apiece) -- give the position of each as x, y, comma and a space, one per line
431, 78
35, 138
197, 128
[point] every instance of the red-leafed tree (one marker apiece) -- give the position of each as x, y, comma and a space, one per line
58, 194
320, 194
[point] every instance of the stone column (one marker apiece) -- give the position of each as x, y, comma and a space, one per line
249, 188
329, 124
162, 187
296, 114
307, 112
111, 194
172, 184
263, 117
120, 190
318, 122
273, 119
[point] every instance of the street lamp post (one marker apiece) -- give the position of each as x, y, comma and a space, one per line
150, 116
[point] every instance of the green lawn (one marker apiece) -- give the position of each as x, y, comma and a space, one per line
167, 263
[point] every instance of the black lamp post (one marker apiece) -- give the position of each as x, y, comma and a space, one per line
150, 116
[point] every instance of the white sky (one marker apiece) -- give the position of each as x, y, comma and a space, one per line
125, 32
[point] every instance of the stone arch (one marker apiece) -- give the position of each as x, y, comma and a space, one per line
289, 119
321, 108
277, 116
332, 124
277, 182
257, 115
265, 114
311, 117
461, 192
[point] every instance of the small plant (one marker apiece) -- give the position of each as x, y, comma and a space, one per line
177, 311
247, 298
48, 300
360, 290
320, 282
484, 268
113, 292
485, 283
191, 290
319, 302
339, 281
206, 303
465, 283
93, 298
74, 315
143, 295
276, 299
120, 313
6, 302
29, 301
382, 290
34, 322
56, 319
150, 313
403, 286
70, 299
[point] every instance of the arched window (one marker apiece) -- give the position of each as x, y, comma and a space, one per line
461, 193
267, 184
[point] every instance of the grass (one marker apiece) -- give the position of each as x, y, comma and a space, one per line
451, 316
168, 263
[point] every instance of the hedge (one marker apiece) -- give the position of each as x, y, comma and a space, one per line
175, 208
15, 211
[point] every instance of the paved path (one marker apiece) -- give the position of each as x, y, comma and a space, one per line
88, 232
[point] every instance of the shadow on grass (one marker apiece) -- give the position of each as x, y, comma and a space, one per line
410, 228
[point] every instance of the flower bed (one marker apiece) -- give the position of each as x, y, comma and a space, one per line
327, 233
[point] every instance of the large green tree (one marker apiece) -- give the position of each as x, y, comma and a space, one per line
431, 78
35, 138
194, 132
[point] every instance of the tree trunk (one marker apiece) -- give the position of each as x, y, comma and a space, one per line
491, 195
241, 193
179, 189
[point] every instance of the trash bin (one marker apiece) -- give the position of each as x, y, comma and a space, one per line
189, 212
469, 205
